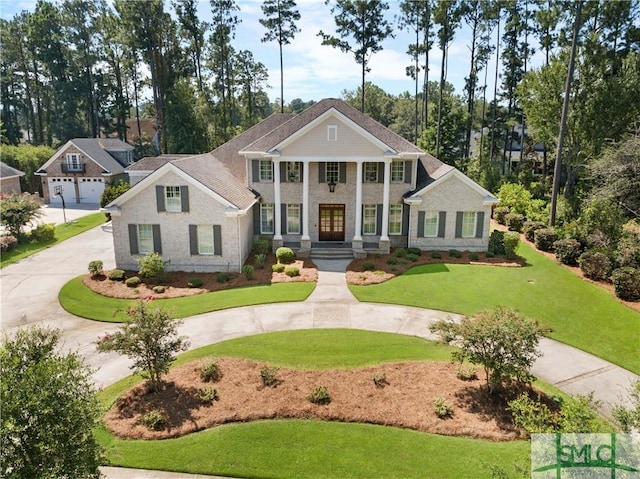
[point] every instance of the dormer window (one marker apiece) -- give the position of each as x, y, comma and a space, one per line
332, 132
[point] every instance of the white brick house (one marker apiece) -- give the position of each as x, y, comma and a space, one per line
327, 176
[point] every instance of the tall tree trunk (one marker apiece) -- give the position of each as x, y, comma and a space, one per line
472, 88
495, 96
563, 120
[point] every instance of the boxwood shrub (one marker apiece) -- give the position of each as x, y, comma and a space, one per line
44, 232
292, 271
567, 251
285, 255
626, 283
496, 242
529, 228
511, 241
133, 282
514, 221
500, 213
544, 239
194, 282
595, 265
277, 268
414, 250
116, 275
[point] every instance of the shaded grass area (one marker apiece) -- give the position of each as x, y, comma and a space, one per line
63, 232
579, 313
316, 449
81, 301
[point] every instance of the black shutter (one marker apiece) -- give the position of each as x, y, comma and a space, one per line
256, 219
420, 224
283, 219
255, 171
342, 178
133, 239
184, 198
405, 220
379, 208
193, 239
459, 215
217, 240
479, 223
301, 221
321, 172
301, 171
407, 171
283, 172
160, 198
381, 172
442, 223
157, 241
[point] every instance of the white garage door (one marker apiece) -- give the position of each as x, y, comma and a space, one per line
68, 190
90, 189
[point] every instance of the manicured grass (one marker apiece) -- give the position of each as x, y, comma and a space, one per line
580, 314
81, 301
316, 449
63, 232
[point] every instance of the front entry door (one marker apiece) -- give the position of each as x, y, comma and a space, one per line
331, 223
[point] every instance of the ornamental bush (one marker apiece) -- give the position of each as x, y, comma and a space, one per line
567, 251
7, 243
154, 420
628, 249
95, 267
529, 228
544, 239
44, 232
207, 395
368, 266
442, 408
285, 255
259, 259
511, 241
268, 374
292, 271
277, 268
223, 277
496, 242
414, 250
210, 371
17, 210
400, 252
262, 245
247, 270
514, 221
595, 265
194, 283
151, 265
133, 282
319, 395
500, 213
116, 275
626, 283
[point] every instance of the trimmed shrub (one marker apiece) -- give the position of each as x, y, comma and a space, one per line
496, 242
414, 250
259, 260
210, 371
268, 375
400, 252
514, 221
435, 254
368, 266
544, 239
595, 265
442, 408
285, 255
247, 270
158, 289
153, 420
319, 395
43, 233
500, 213
511, 241
626, 283
95, 267
292, 271
277, 268
454, 253
116, 275
628, 250
7, 243
567, 251
207, 395
151, 265
194, 282
392, 260
133, 282
412, 257
474, 256
529, 228
223, 277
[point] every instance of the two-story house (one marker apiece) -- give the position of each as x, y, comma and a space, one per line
79, 169
327, 176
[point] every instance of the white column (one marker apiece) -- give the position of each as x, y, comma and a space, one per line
276, 205
305, 202
384, 236
358, 232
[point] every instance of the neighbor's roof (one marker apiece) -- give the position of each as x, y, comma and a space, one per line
152, 163
382, 133
7, 171
96, 149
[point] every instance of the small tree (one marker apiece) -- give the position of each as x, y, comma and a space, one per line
150, 338
49, 409
17, 210
629, 418
501, 340
111, 192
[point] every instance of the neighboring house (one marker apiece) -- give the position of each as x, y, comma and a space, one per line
9, 179
81, 168
329, 176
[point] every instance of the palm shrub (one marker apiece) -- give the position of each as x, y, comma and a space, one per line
544, 239
626, 283
595, 265
567, 251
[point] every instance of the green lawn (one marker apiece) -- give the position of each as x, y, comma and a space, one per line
63, 232
81, 301
314, 449
579, 313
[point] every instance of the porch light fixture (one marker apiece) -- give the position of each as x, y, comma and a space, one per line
332, 186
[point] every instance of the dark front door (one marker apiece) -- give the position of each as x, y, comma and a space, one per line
331, 223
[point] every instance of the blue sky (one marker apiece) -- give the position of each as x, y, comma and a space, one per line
313, 71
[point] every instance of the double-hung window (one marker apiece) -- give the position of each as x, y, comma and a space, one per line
397, 172
370, 172
205, 239
173, 200
266, 218
395, 219
332, 172
293, 219
145, 239
468, 224
293, 171
369, 219
431, 224
266, 171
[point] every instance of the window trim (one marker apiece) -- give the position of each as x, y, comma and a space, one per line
294, 168
398, 208
296, 207
209, 229
70, 157
268, 172
175, 200
141, 250
332, 175
401, 172
475, 224
369, 207
264, 208
366, 178
434, 215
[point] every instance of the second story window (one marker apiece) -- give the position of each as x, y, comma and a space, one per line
173, 201
74, 163
370, 172
397, 172
293, 171
266, 171
332, 172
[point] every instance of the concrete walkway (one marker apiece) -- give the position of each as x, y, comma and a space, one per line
29, 290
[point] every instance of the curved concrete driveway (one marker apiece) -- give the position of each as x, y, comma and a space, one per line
29, 292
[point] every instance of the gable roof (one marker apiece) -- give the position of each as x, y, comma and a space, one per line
7, 171
152, 163
97, 150
432, 173
274, 138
